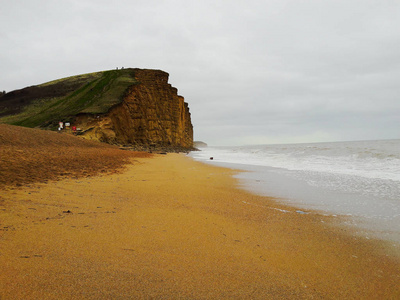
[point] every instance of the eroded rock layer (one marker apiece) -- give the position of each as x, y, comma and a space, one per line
151, 115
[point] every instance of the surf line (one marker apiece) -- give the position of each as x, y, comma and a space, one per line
274, 208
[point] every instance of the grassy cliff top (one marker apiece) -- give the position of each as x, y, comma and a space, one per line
46, 104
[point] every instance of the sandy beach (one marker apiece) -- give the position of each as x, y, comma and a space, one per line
168, 227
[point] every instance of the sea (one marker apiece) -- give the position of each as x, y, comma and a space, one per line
356, 180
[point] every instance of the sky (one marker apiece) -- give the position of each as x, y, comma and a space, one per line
252, 72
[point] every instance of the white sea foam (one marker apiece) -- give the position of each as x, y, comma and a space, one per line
370, 159
360, 178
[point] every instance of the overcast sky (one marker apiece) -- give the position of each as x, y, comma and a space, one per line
253, 72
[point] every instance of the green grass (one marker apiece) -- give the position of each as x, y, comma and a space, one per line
73, 79
97, 93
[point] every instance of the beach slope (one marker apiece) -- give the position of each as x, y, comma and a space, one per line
168, 227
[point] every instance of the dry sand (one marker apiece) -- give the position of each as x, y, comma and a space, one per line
30, 155
171, 228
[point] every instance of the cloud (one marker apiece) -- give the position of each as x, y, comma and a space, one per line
250, 70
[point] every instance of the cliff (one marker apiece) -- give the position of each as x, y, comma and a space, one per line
151, 115
131, 107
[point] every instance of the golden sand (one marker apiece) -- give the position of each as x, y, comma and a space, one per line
172, 228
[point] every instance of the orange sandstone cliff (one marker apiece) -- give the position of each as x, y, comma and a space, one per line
151, 116
130, 107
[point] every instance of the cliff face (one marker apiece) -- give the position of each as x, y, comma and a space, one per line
133, 107
151, 115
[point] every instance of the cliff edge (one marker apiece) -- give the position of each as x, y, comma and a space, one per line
131, 107
151, 115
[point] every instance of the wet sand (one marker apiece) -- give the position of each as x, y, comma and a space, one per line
171, 228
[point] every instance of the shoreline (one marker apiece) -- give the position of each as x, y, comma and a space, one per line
172, 227
354, 225
359, 211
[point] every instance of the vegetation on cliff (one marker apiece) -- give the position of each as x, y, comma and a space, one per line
47, 104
